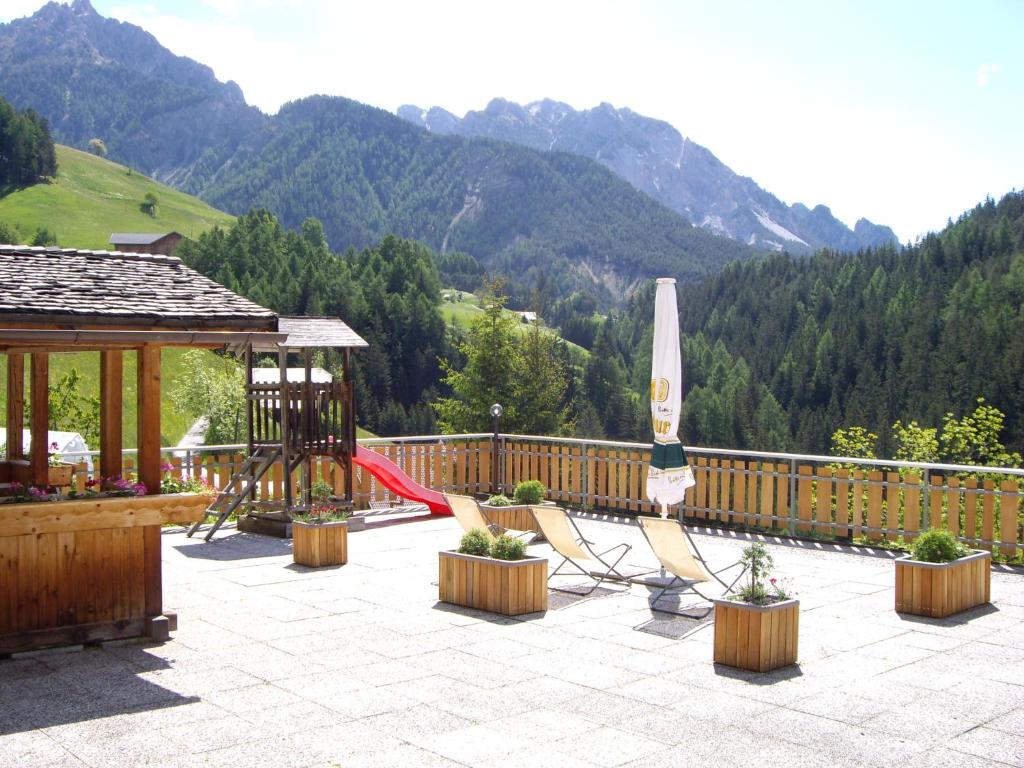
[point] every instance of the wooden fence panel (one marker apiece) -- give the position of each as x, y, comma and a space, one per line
782, 508
843, 528
912, 506
988, 513
739, 498
874, 505
804, 493
823, 502
935, 503
971, 508
953, 498
893, 506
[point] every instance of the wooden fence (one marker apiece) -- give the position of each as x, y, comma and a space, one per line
808, 498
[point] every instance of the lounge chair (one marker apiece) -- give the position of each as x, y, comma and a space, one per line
678, 555
565, 538
467, 511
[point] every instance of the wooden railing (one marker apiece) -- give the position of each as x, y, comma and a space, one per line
315, 414
816, 496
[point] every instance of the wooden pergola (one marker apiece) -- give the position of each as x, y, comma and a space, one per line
56, 300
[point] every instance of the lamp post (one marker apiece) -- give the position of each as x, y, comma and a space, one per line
496, 411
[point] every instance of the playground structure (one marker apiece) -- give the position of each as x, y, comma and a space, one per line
302, 418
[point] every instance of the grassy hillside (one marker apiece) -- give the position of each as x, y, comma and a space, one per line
461, 308
92, 197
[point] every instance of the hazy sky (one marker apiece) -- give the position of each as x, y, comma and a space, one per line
906, 113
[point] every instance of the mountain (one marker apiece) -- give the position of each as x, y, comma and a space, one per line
653, 157
362, 171
94, 77
366, 173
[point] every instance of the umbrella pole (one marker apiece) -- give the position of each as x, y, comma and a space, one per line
664, 511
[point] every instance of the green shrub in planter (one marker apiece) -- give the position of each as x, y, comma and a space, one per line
937, 546
507, 548
475, 542
529, 492
499, 500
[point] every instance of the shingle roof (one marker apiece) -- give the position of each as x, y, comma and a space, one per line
138, 238
112, 287
318, 332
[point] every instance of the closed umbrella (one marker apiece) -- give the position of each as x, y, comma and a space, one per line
669, 475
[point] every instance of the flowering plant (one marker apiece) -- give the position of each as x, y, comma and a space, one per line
323, 512
122, 486
52, 458
177, 484
19, 492
760, 589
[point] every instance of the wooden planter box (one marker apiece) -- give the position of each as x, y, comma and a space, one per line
756, 637
82, 571
517, 517
319, 544
59, 475
509, 587
942, 589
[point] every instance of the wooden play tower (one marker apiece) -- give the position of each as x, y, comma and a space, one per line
291, 423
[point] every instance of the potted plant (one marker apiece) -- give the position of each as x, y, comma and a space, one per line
320, 537
514, 514
757, 628
941, 576
493, 574
59, 473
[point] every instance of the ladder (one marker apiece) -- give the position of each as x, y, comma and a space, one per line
238, 489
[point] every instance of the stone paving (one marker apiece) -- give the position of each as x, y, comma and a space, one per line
278, 665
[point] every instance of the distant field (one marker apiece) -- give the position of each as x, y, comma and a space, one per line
173, 424
462, 312
92, 197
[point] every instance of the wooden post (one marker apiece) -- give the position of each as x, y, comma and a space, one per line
350, 425
40, 418
15, 406
282, 363
111, 403
149, 417
308, 431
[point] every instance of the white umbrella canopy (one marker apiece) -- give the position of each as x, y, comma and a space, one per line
669, 475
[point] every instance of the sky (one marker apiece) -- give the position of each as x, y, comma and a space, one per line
904, 112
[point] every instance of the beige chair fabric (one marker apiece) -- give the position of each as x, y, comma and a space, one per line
565, 538
468, 513
672, 549
554, 524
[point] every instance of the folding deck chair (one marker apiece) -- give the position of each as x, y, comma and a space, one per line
565, 538
675, 550
467, 511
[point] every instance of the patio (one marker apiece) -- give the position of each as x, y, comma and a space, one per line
278, 665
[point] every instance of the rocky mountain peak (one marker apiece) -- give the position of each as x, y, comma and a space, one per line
655, 158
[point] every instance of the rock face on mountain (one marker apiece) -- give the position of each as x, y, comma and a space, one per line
653, 157
94, 77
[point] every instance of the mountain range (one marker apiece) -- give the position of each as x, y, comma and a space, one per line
656, 159
560, 218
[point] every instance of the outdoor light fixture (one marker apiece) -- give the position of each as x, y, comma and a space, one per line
496, 411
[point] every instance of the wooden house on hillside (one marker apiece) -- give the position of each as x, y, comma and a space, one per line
146, 242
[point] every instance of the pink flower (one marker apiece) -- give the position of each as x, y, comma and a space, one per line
772, 580
167, 467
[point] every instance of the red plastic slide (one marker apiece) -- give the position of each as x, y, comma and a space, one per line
395, 480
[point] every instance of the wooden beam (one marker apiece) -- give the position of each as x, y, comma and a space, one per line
149, 418
111, 404
40, 418
15, 406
